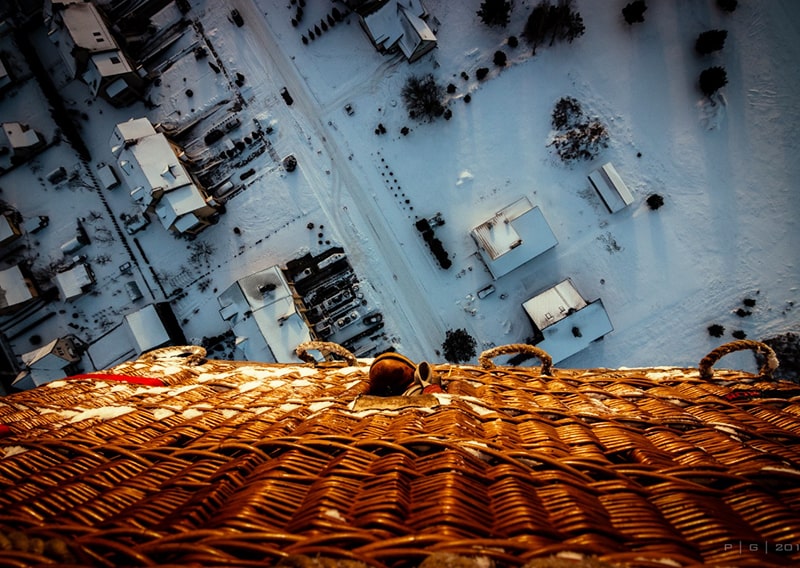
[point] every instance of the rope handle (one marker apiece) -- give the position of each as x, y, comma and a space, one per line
486, 357
191, 355
771, 363
326, 348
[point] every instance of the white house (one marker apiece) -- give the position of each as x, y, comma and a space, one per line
22, 139
158, 181
56, 360
89, 51
513, 236
609, 186
16, 289
261, 311
564, 322
398, 25
75, 282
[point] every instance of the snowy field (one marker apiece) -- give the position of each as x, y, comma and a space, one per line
727, 171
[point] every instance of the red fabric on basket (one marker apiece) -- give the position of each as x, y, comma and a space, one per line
4, 430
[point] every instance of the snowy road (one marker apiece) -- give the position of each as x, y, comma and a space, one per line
345, 200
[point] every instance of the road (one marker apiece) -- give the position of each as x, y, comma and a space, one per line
373, 250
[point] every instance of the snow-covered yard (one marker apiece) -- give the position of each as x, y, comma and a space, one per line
726, 169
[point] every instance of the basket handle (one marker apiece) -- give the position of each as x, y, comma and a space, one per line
326, 348
486, 357
190, 355
771, 363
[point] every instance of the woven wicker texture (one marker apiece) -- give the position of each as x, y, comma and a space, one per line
246, 463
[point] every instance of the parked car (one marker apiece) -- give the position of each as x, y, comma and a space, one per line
348, 108
372, 319
236, 18
286, 96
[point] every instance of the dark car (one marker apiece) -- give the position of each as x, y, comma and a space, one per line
286, 96
236, 18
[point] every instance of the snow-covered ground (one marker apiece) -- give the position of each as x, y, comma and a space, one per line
727, 172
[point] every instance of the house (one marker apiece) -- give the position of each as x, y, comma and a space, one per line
17, 288
261, 311
10, 230
75, 281
56, 360
564, 323
6, 80
512, 237
608, 184
89, 51
397, 25
22, 139
153, 326
159, 182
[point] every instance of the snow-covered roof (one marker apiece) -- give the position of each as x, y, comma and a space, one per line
146, 329
179, 202
553, 305
399, 23
14, 287
5, 78
73, 282
273, 327
151, 162
130, 131
513, 236
20, 135
8, 231
86, 28
610, 187
55, 355
567, 322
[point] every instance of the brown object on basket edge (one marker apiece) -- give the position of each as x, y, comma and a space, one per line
176, 459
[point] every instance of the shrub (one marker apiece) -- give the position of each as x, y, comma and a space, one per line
655, 201
423, 97
567, 113
559, 22
712, 80
716, 330
710, 41
578, 137
513, 41
451, 88
633, 12
739, 334
481, 73
495, 12
500, 58
458, 346
727, 5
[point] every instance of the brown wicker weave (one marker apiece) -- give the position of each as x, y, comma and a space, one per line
238, 463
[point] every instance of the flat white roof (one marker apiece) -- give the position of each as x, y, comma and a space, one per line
513, 236
610, 187
179, 202
111, 63
592, 322
131, 130
561, 309
6, 230
72, 281
273, 328
554, 304
151, 162
146, 329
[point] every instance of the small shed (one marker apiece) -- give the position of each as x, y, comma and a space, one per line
609, 186
512, 237
75, 281
9, 229
564, 322
17, 288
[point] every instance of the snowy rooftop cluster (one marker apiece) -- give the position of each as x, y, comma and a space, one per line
226, 97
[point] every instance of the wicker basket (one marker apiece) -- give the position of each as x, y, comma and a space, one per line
233, 463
